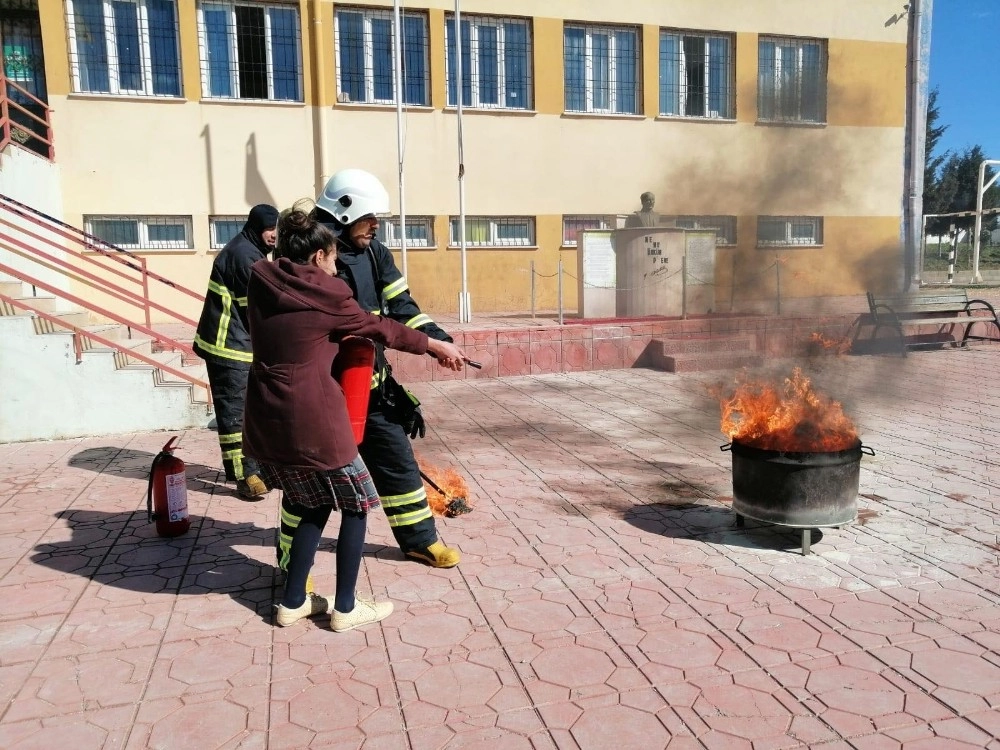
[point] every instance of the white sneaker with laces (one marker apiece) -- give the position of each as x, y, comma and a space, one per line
365, 612
312, 606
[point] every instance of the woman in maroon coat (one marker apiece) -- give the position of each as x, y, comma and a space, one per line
296, 423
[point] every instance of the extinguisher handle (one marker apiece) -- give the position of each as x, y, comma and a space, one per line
150, 516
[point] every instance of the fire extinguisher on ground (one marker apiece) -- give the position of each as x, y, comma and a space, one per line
166, 495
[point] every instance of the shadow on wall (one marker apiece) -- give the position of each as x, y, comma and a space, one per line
255, 188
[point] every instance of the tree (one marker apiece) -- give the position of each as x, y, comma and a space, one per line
937, 196
959, 180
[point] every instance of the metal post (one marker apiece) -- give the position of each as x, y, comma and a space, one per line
918, 75
532, 290
560, 291
953, 251
980, 192
397, 49
145, 289
684, 286
777, 281
465, 314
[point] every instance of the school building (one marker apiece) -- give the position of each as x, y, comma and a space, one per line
778, 123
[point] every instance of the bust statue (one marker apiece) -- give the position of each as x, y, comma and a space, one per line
645, 217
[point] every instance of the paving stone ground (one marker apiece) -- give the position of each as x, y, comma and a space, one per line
606, 598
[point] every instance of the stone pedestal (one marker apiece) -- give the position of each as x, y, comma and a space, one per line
649, 264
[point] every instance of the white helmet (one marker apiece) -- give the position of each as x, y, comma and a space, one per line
351, 194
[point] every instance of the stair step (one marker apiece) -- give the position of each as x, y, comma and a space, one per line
672, 346
700, 362
12, 288
42, 304
78, 319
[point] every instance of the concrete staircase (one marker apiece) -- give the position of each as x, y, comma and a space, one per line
47, 395
696, 354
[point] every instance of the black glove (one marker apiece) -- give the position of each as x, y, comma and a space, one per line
403, 408
416, 427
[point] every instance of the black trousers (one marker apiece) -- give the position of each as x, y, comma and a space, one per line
388, 454
229, 390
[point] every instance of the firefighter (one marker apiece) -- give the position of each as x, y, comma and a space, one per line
223, 341
350, 203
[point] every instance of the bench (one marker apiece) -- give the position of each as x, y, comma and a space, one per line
941, 310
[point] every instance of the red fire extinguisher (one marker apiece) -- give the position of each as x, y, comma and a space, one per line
352, 368
166, 495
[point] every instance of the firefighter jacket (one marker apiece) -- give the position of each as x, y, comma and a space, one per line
380, 288
296, 413
223, 334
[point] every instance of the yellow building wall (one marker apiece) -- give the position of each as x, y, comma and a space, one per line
199, 158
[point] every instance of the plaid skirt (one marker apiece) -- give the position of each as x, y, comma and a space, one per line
348, 488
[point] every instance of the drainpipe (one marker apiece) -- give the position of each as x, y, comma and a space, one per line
917, 76
320, 117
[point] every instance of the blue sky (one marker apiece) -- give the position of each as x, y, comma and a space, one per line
965, 57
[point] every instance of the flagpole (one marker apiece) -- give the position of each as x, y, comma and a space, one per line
464, 311
398, 71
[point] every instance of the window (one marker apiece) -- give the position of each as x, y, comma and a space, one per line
224, 228
724, 226
365, 63
141, 232
696, 75
495, 231
792, 80
601, 69
573, 225
789, 231
419, 231
496, 68
250, 51
126, 47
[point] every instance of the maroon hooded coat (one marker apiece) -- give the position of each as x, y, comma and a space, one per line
296, 413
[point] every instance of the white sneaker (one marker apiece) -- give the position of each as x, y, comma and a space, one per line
365, 612
312, 606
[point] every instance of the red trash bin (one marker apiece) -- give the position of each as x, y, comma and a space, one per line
353, 368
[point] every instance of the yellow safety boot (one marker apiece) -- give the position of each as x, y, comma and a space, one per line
437, 555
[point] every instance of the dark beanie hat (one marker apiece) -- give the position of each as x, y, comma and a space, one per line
262, 217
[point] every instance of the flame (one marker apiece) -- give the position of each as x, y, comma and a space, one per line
840, 346
791, 417
455, 500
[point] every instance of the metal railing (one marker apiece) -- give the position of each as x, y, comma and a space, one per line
19, 125
118, 274
59, 250
79, 334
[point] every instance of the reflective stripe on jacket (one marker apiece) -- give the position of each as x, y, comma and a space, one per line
380, 288
223, 333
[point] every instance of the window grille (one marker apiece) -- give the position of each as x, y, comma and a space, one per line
789, 231
496, 62
494, 231
601, 69
124, 47
365, 64
223, 228
724, 226
419, 231
141, 232
250, 51
573, 225
696, 74
792, 80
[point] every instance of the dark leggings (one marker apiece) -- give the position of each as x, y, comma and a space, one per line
305, 541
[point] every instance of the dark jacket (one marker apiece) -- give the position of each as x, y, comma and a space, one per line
380, 288
296, 414
222, 333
